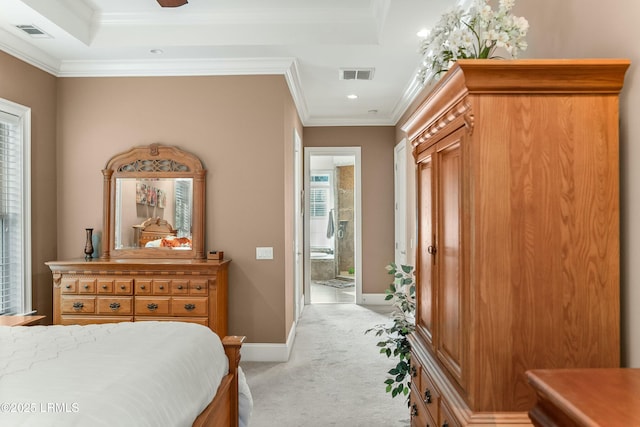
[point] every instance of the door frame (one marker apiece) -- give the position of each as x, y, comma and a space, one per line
334, 151
298, 228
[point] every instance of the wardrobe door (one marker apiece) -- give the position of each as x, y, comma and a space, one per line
426, 248
450, 324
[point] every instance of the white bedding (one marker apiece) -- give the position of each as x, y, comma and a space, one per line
120, 374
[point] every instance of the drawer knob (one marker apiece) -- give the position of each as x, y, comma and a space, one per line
414, 371
161, 287
427, 396
143, 287
114, 306
152, 306
86, 286
122, 287
445, 424
198, 287
189, 307
78, 306
68, 286
179, 286
104, 286
414, 410
431, 250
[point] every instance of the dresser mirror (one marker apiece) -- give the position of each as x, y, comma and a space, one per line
154, 204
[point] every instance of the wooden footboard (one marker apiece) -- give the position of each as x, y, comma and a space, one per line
223, 409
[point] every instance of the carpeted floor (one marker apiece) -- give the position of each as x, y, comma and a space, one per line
334, 377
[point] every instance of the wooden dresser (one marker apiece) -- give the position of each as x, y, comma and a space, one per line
586, 397
125, 290
517, 263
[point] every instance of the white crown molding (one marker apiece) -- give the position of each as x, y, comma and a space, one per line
292, 77
410, 92
175, 67
22, 50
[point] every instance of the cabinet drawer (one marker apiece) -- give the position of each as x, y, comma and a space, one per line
90, 320
143, 287
77, 304
193, 306
179, 287
429, 394
114, 286
161, 287
199, 287
416, 372
155, 306
446, 418
115, 305
420, 416
69, 285
87, 286
204, 321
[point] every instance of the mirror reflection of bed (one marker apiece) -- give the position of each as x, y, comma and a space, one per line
154, 206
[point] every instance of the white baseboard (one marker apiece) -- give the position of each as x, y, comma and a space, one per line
374, 299
269, 352
274, 352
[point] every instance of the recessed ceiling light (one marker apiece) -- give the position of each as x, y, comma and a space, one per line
157, 51
352, 96
423, 33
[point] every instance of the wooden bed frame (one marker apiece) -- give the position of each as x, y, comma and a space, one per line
223, 409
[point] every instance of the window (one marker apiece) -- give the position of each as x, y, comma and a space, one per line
15, 208
319, 194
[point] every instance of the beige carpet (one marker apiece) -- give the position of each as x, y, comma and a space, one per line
335, 376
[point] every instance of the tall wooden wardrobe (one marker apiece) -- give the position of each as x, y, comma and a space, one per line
518, 228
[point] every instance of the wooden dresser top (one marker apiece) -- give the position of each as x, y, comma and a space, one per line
591, 397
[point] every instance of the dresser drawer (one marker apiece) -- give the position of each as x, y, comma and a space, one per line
420, 416
189, 306
72, 304
204, 321
152, 306
69, 285
143, 286
115, 305
114, 286
199, 287
446, 417
87, 286
161, 287
429, 394
90, 319
179, 287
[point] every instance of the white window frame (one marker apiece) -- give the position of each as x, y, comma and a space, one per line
23, 284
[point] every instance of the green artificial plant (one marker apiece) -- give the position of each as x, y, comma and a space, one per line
395, 344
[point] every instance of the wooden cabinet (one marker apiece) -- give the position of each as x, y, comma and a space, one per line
518, 231
102, 291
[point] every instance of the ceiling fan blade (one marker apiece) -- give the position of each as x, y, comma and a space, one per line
172, 3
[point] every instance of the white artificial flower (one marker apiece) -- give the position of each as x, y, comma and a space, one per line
475, 33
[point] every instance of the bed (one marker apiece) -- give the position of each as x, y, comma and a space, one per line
121, 374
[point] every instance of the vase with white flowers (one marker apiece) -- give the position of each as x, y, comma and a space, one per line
473, 34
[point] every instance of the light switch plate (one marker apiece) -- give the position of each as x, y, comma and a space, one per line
264, 253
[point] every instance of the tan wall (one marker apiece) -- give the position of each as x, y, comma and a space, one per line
377, 194
236, 126
26, 85
593, 29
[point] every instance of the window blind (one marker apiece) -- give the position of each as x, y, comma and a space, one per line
15, 266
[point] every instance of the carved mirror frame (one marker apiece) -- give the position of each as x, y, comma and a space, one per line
150, 162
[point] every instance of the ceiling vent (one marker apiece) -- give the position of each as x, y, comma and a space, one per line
34, 31
356, 73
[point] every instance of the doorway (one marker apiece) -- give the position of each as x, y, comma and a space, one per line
332, 225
